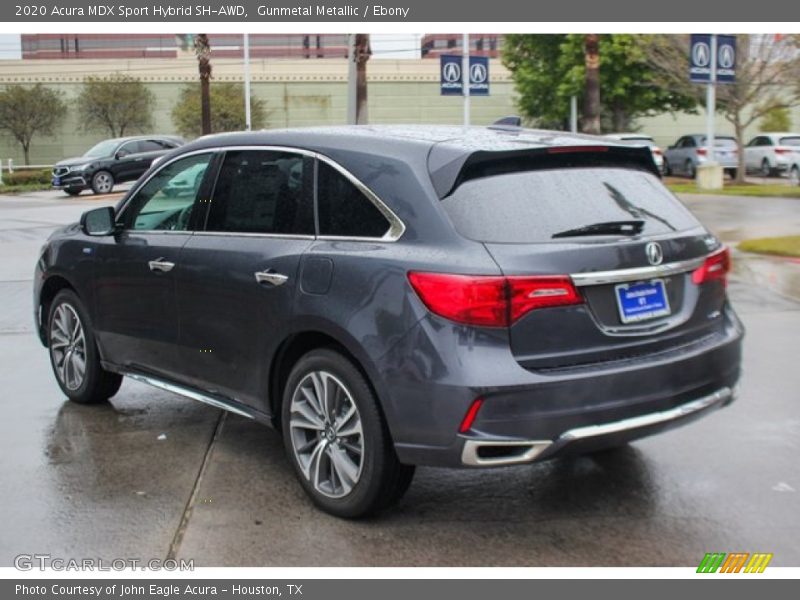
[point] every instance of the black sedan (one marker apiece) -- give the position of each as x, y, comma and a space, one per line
110, 162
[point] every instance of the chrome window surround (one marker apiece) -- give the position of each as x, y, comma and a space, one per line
396, 225
622, 275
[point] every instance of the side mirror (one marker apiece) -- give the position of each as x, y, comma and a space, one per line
120, 154
99, 221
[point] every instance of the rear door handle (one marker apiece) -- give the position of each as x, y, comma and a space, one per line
161, 265
271, 277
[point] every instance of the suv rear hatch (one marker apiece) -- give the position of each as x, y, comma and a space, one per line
635, 254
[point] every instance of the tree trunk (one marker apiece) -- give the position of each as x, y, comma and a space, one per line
363, 52
202, 49
26, 147
591, 103
619, 117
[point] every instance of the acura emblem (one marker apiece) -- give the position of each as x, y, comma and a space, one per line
654, 253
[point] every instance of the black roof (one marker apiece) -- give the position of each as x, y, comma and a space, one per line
445, 148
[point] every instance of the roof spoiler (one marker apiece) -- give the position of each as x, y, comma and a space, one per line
512, 121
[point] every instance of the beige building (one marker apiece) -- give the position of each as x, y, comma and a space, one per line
297, 93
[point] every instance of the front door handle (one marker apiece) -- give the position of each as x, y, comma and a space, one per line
271, 277
161, 265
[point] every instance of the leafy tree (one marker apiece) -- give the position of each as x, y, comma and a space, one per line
28, 111
777, 119
767, 72
227, 114
549, 69
118, 104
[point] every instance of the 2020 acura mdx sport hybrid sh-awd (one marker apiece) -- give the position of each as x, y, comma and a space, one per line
397, 296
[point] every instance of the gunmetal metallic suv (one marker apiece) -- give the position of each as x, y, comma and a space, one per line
398, 296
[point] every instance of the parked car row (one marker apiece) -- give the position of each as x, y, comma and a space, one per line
768, 154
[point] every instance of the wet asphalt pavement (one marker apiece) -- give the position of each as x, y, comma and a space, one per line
153, 475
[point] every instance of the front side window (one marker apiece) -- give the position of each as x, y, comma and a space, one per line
262, 191
343, 210
166, 201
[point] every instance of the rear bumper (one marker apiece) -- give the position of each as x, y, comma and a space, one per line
534, 415
488, 453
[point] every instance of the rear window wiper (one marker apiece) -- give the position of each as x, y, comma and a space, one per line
606, 228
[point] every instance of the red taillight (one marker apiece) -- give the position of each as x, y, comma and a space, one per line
529, 293
489, 300
716, 267
782, 150
702, 152
469, 418
656, 151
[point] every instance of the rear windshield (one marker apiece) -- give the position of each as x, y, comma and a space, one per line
790, 141
531, 206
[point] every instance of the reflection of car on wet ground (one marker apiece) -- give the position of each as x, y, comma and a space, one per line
690, 151
110, 162
641, 139
400, 296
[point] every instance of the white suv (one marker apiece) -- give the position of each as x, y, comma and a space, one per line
771, 154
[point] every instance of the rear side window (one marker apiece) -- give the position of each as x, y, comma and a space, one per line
343, 210
790, 141
532, 206
260, 191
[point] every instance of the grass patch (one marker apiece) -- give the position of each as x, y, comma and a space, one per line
770, 190
781, 246
21, 188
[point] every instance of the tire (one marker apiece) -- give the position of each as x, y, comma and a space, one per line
666, 168
73, 191
102, 182
342, 455
689, 169
794, 175
68, 345
765, 170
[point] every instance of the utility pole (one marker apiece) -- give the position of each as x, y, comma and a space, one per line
203, 50
465, 76
711, 100
247, 117
591, 106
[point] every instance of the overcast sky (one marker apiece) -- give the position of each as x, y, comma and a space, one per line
403, 45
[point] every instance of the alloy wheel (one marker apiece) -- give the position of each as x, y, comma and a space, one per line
103, 182
68, 347
326, 434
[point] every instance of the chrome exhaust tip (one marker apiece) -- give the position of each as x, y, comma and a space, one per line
495, 453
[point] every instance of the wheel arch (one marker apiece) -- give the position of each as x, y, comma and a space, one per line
50, 289
300, 343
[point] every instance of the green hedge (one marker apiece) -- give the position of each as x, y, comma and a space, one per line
28, 176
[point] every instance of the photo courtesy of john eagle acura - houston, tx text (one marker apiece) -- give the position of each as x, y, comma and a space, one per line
393, 296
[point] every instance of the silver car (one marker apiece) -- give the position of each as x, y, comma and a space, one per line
771, 154
690, 151
641, 139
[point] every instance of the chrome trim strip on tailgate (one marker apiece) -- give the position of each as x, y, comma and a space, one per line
638, 273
